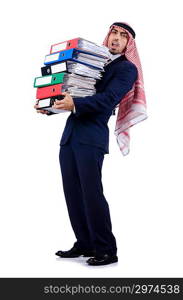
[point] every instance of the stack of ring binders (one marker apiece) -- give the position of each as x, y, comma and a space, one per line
73, 66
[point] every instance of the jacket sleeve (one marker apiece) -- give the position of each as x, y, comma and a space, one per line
121, 83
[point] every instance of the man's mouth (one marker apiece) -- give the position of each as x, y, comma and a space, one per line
115, 44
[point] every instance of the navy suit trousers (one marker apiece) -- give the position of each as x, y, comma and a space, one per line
81, 169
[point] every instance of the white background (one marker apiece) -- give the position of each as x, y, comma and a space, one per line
143, 189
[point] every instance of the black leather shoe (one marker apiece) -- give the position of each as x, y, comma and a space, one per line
74, 252
102, 260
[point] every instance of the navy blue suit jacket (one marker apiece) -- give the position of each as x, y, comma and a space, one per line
93, 112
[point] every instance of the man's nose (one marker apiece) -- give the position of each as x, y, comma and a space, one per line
117, 37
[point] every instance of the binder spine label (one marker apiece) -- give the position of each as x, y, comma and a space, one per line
51, 57
58, 47
44, 103
43, 80
59, 68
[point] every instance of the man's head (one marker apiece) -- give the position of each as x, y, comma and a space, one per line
118, 37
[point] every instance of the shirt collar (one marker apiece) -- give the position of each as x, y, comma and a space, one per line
114, 56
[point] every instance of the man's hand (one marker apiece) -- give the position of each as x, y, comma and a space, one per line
67, 103
44, 112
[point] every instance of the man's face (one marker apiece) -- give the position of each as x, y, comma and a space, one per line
117, 40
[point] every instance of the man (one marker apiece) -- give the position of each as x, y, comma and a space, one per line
84, 143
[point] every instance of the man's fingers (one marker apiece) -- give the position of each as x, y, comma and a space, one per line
58, 106
64, 93
44, 112
59, 102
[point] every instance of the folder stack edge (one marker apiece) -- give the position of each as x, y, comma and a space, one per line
73, 66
